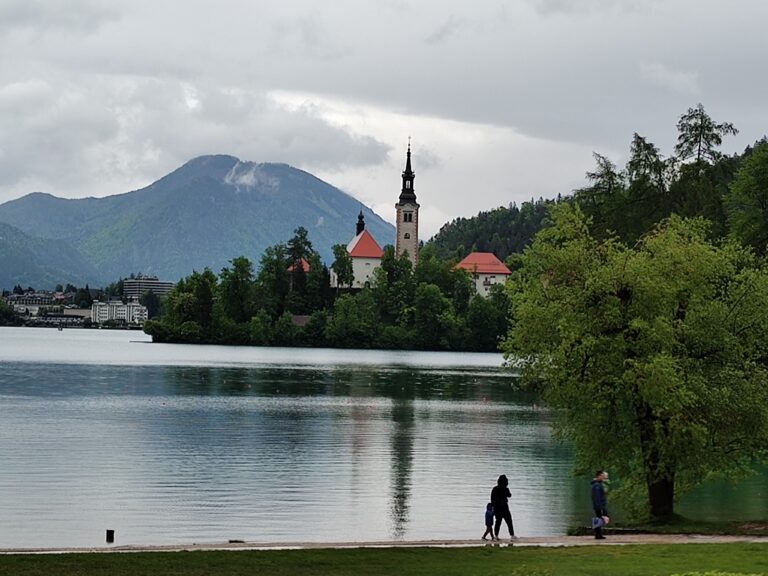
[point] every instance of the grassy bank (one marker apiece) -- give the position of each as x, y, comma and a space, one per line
639, 560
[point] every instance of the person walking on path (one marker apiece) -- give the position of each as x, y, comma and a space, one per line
489, 521
499, 496
599, 502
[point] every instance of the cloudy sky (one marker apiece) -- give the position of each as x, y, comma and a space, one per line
503, 100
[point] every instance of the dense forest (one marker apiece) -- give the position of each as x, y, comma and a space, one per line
503, 231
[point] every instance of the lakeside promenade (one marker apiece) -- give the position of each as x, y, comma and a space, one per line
544, 542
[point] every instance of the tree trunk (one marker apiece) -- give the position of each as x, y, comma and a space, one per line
659, 476
661, 497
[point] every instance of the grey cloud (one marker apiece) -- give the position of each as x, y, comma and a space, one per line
91, 133
449, 28
67, 15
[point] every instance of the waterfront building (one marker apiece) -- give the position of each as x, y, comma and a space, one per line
486, 270
137, 287
115, 310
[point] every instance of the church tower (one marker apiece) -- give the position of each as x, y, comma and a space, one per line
408, 215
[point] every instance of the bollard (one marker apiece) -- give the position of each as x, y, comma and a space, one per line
110, 536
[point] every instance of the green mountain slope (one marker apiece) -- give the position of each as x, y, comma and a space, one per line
205, 213
39, 263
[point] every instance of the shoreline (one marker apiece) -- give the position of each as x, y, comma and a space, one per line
534, 542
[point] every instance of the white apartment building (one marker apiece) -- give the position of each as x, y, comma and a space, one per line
130, 313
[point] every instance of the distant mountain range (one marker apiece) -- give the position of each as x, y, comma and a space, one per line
212, 209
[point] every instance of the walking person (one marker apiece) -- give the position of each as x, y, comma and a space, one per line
489, 521
499, 496
599, 503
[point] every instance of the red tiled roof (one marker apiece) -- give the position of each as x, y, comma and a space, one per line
304, 266
483, 263
364, 246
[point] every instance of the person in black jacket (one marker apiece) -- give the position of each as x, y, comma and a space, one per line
499, 496
599, 501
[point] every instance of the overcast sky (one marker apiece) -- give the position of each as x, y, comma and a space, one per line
503, 100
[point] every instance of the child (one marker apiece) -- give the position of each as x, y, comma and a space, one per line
489, 521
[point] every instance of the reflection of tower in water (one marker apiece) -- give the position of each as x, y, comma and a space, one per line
402, 463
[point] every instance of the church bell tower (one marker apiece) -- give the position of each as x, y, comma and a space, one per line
408, 215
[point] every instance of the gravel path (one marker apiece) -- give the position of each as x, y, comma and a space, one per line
550, 541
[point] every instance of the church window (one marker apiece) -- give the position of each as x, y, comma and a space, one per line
407, 236
407, 216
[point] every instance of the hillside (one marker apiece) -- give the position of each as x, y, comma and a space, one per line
203, 214
503, 231
30, 261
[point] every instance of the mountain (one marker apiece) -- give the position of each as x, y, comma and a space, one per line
210, 210
39, 263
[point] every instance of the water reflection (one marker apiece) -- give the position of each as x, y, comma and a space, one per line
328, 452
402, 460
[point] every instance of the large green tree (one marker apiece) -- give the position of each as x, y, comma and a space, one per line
654, 357
747, 200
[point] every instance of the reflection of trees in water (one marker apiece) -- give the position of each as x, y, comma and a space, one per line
403, 417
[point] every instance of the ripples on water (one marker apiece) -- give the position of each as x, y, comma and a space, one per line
179, 444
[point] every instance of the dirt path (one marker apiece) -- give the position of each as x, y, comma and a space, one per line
549, 541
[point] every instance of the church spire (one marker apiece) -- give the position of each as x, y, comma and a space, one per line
360, 222
407, 194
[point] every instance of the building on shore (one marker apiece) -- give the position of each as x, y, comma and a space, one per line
116, 311
137, 287
486, 270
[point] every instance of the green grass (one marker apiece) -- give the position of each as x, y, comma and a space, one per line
637, 560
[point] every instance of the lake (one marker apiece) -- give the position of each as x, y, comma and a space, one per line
175, 444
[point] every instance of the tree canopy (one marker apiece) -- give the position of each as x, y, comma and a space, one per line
654, 356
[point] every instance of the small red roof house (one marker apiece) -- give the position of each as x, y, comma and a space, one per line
304, 266
486, 269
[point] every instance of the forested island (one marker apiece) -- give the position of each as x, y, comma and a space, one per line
430, 306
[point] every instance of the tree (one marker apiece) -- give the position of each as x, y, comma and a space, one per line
7, 315
342, 266
699, 135
273, 282
604, 200
653, 357
433, 318
83, 298
747, 201
354, 322
152, 302
237, 290
393, 285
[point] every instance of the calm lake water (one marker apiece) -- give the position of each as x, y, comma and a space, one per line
177, 444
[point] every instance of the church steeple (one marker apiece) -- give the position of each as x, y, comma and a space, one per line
360, 223
407, 194
407, 240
